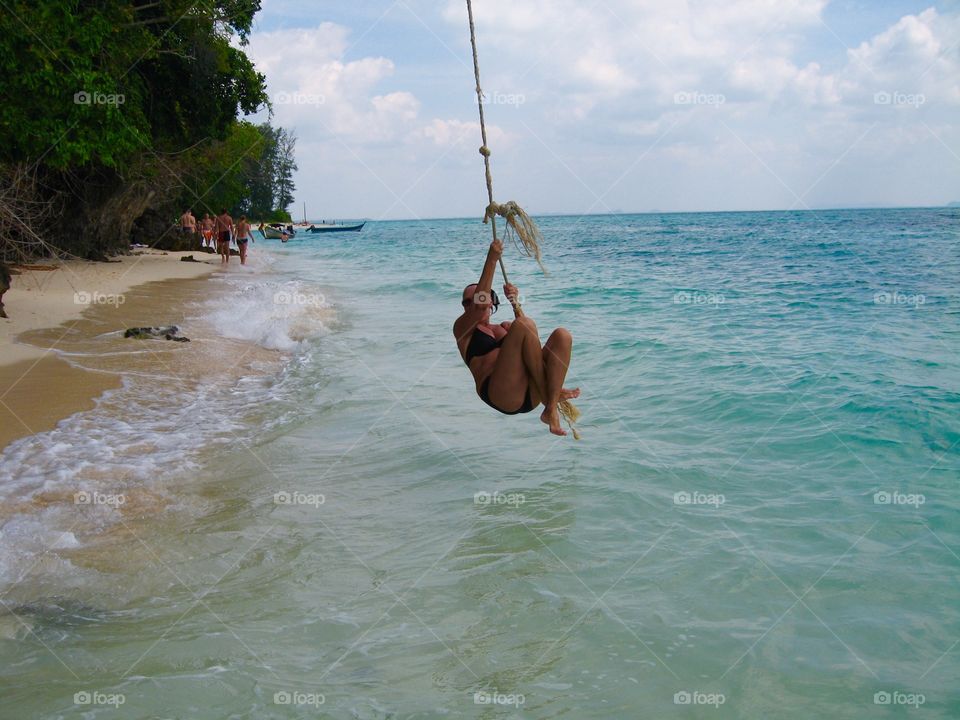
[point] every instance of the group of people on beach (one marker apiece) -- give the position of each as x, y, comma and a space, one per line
217, 232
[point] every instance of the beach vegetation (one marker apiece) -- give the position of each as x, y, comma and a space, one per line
123, 110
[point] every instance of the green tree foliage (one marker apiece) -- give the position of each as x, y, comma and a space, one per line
249, 172
98, 82
284, 166
128, 107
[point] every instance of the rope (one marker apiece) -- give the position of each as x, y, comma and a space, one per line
525, 232
484, 150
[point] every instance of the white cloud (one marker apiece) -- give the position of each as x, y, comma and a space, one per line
609, 75
917, 55
785, 108
452, 132
314, 90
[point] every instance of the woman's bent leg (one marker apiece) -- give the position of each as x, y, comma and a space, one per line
556, 361
519, 367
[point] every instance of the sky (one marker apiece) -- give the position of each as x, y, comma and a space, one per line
615, 105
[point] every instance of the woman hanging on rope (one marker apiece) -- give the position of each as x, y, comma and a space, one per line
513, 373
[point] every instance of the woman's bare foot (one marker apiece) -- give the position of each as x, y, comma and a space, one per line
569, 394
551, 417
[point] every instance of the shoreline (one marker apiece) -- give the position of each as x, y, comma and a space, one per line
38, 388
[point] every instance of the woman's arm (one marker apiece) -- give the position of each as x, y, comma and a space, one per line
485, 284
513, 296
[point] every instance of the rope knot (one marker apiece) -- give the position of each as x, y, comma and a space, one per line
485, 151
520, 226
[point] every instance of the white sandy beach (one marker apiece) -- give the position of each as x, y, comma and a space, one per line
48, 298
38, 388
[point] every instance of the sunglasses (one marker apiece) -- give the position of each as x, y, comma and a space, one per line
494, 300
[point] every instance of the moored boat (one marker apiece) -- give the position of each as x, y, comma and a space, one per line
276, 231
325, 227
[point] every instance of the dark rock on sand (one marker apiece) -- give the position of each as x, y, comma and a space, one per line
188, 258
171, 332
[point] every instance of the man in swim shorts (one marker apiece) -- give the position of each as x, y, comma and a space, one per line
188, 226
223, 227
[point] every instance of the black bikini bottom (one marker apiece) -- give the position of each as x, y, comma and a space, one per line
485, 396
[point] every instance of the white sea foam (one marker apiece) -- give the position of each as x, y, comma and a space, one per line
266, 308
172, 405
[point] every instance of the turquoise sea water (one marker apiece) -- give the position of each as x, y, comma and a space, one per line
760, 521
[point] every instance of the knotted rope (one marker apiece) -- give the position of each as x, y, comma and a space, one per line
520, 226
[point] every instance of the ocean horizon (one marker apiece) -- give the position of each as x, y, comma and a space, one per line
534, 213
307, 511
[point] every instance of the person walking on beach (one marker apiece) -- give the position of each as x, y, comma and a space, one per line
188, 224
206, 229
223, 227
513, 373
243, 236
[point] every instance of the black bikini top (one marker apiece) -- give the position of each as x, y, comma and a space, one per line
480, 344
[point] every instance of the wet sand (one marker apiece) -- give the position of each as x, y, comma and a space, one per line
55, 314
